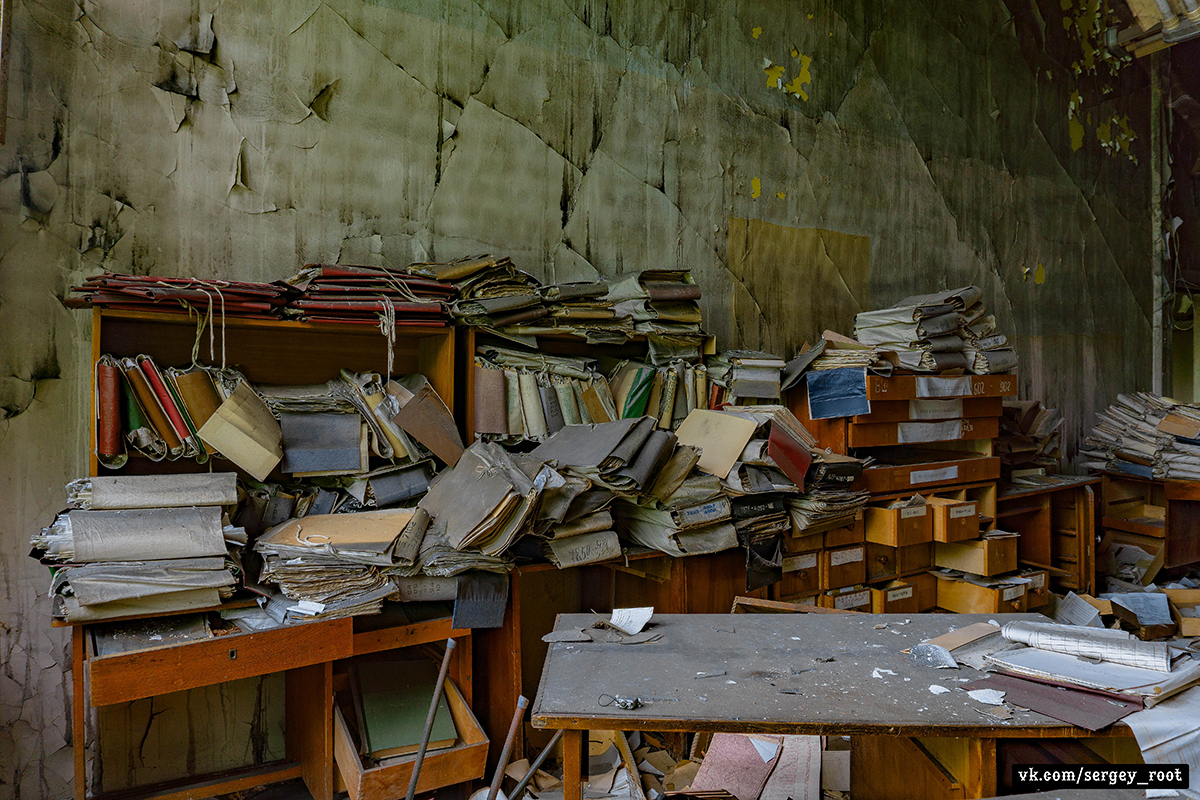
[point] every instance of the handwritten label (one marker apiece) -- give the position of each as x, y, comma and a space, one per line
1012, 593
935, 409
1037, 581
799, 563
899, 594
586, 549
426, 588
915, 511
917, 432
944, 387
958, 512
839, 557
708, 512
932, 475
852, 600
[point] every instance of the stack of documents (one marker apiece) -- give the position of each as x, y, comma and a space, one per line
659, 300
584, 310
987, 351
1147, 435
695, 519
922, 331
745, 373
624, 456
139, 545
179, 295
366, 295
1030, 434
489, 292
824, 508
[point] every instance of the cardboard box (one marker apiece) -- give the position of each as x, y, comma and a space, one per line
848, 535
926, 586
954, 520
980, 556
850, 598
897, 597
1185, 600
897, 527
1037, 592
962, 597
801, 574
845, 566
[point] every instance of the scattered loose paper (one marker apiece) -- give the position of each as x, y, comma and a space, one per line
992, 697
631, 620
933, 687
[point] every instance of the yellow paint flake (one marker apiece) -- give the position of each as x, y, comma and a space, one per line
795, 53
755, 188
810, 16
774, 73
781, 195
1039, 275
796, 87
1076, 134
757, 32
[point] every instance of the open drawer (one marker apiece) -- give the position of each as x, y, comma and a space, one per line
465, 761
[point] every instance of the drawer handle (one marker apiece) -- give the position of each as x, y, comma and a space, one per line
232, 655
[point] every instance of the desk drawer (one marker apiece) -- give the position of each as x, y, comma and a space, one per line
843, 567
146, 673
801, 573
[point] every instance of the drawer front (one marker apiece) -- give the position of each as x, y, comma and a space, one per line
801, 573
146, 673
881, 562
844, 567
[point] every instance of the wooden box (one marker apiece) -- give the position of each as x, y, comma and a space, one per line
897, 597
1181, 599
465, 761
801, 574
981, 556
848, 535
844, 566
967, 598
926, 585
850, 598
1037, 591
954, 520
898, 527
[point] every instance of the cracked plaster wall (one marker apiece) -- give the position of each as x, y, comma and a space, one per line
581, 137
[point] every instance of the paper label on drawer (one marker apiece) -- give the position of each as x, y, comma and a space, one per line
1012, 593
840, 557
800, 562
932, 475
899, 594
852, 600
958, 512
917, 432
1037, 581
944, 387
915, 511
935, 409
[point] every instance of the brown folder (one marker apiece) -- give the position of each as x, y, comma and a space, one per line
151, 407
425, 417
491, 412
198, 394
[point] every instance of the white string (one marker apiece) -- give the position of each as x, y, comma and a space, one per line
387, 326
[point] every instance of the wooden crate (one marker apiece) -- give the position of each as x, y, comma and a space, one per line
962, 597
980, 556
953, 520
844, 566
464, 762
897, 597
898, 527
850, 598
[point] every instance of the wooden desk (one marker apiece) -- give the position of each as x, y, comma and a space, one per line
758, 654
304, 652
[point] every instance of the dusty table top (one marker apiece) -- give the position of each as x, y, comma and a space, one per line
777, 677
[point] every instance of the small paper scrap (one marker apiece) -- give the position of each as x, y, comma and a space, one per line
992, 697
630, 621
933, 687
879, 673
766, 749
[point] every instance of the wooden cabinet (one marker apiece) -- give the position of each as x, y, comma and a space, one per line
266, 352
1057, 522
1158, 516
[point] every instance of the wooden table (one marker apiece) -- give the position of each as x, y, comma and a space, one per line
764, 654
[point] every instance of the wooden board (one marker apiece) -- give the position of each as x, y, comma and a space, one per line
877, 761
758, 653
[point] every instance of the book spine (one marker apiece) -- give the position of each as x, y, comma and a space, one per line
531, 406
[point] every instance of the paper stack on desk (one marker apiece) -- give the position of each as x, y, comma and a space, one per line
922, 331
140, 545
1147, 435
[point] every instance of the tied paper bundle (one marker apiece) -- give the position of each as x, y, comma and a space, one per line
141, 545
366, 295
334, 565
938, 332
489, 292
179, 295
582, 309
744, 373
665, 307
1147, 435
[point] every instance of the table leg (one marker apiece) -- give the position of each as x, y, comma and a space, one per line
981, 756
572, 744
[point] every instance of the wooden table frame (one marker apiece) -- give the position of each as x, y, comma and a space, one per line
308, 694
578, 714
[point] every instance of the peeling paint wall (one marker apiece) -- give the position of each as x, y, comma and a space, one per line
581, 137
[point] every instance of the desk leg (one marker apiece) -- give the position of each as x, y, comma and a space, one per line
78, 712
308, 712
572, 744
981, 757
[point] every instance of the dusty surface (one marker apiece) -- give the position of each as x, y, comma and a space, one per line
947, 142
